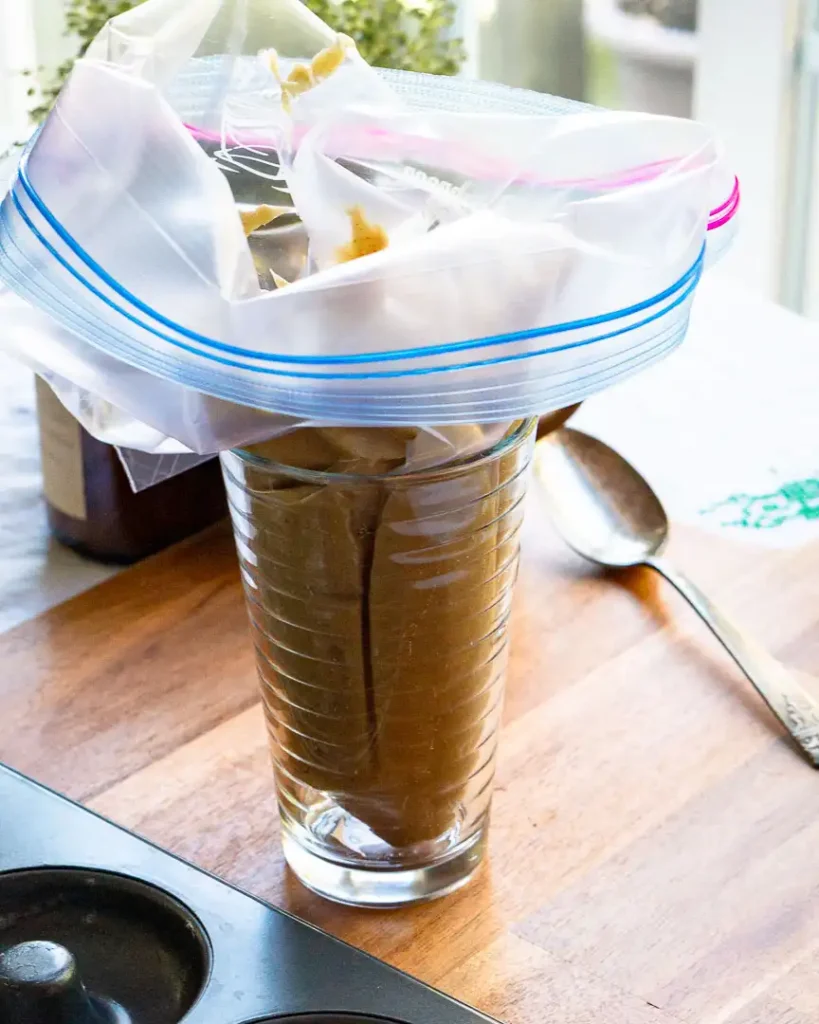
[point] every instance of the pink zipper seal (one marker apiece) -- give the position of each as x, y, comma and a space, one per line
717, 218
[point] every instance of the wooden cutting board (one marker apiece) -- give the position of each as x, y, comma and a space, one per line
654, 850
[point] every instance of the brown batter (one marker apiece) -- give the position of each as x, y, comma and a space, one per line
379, 618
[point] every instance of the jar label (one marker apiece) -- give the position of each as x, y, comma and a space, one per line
61, 453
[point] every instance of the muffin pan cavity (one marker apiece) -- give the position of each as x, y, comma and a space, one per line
327, 1018
129, 946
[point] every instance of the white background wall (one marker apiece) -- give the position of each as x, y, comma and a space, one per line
52, 45
756, 88
811, 306
17, 54
744, 90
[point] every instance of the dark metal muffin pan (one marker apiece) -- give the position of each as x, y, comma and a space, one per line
154, 940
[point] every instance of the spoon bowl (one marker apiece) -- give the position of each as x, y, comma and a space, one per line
598, 502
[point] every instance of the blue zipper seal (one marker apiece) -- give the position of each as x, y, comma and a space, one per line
681, 288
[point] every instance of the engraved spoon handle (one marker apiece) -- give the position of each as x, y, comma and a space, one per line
795, 708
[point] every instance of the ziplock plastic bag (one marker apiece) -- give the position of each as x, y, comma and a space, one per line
410, 250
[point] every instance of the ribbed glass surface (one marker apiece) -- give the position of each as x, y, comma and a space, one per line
379, 609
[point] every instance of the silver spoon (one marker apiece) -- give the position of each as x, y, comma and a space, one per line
607, 513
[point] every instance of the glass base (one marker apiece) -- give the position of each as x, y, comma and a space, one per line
382, 886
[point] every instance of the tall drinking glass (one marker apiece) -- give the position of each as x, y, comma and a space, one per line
379, 606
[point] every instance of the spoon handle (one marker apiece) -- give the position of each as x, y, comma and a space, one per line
795, 708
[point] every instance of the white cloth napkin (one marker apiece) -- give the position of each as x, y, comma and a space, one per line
727, 429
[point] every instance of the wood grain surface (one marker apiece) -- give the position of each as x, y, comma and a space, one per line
653, 854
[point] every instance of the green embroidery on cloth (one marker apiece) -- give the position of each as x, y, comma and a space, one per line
798, 500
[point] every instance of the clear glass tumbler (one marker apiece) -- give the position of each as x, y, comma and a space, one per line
379, 608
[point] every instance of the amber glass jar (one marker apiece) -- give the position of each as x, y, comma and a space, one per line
91, 506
